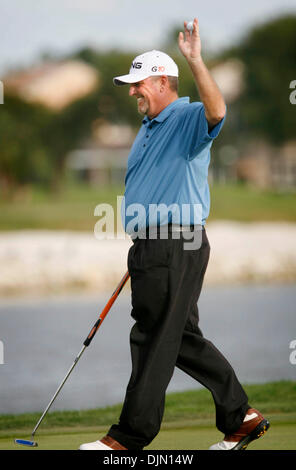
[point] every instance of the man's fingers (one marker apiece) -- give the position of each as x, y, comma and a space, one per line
187, 35
195, 26
182, 43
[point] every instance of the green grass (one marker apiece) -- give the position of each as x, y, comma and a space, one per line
278, 437
70, 209
73, 207
189, 422
246, 204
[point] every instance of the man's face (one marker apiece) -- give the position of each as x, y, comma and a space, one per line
147, 93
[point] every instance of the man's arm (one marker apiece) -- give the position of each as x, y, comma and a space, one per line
209, 93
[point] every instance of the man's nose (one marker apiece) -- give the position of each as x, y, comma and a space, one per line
132, 90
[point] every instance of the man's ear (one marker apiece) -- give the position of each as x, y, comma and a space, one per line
163, 82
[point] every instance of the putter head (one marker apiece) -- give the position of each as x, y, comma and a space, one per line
23, 442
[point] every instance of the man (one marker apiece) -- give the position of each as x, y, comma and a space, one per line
168, 165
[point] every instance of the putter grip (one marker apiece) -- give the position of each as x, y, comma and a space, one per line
106, 309
92, 332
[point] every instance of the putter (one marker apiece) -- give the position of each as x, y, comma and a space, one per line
86, 343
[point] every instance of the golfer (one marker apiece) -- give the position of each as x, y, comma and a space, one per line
168, 166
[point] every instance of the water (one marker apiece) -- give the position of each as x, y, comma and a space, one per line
252, 325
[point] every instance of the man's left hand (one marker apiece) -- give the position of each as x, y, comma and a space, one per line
190, 43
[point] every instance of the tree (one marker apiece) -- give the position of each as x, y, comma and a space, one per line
23, 156
268, 53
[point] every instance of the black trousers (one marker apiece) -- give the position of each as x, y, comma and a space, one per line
166, 282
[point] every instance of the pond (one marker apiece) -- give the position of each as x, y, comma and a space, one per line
252, 326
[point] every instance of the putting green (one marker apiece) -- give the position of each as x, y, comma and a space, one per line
66, 430
280, 436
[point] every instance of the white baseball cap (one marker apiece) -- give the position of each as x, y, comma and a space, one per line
149, 64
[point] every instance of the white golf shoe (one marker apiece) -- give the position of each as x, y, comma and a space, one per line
253, 427
106, 443
96, 445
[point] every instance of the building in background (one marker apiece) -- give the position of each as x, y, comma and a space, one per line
257, 161
53, 84
103, 159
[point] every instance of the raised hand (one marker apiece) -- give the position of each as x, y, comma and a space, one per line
190, 43
210, 95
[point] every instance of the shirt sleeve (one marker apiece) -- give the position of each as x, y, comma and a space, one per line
195, 130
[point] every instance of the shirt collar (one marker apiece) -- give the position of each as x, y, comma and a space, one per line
164, 114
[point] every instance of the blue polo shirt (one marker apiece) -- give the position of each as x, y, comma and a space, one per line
167, 170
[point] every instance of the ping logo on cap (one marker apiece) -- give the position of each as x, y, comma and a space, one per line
137, 65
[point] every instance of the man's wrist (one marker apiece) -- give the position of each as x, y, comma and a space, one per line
195, 61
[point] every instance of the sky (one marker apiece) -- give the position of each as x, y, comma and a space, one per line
29, 28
